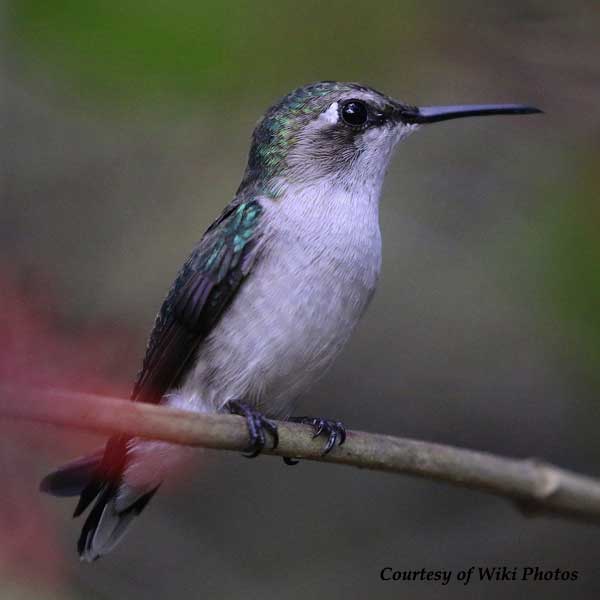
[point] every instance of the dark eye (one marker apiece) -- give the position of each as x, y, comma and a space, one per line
354, 113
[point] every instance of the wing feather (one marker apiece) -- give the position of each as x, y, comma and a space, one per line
204, 287
206, 284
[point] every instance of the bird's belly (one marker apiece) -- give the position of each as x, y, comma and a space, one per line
287, 323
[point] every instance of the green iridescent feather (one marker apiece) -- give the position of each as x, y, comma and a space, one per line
205, 285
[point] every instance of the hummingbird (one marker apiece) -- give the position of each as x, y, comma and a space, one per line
269, 295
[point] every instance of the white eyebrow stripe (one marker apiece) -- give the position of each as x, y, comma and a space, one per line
331, 115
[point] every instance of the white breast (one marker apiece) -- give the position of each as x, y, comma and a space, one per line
313, 277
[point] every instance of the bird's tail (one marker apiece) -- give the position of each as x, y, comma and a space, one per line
98, 477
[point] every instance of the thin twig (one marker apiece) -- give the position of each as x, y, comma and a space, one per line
534, 486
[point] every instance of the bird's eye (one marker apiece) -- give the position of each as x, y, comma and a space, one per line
354, 112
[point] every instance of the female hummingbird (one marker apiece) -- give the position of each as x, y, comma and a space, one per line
269, 295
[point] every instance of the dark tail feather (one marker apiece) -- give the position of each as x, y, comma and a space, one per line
71, 479
106, 525
99, 477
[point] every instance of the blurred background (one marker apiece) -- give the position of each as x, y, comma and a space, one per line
125, 130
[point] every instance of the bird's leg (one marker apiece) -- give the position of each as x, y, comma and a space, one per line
257, 425
334, 430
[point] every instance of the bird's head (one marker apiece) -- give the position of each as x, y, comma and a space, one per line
341, 131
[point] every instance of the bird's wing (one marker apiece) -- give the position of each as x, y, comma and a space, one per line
205, 285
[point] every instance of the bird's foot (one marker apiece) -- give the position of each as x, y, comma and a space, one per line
257, 423
334, 430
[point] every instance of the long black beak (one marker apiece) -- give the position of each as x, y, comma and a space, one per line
433, 114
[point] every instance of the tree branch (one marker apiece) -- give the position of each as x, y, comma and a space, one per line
534, 486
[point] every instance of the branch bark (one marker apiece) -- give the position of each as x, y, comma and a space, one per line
535, 487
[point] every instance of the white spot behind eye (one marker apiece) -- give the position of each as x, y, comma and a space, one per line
331, 115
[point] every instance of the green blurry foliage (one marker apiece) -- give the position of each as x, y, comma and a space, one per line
185, 50
572, 263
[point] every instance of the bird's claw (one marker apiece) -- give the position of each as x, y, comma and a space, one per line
257, 424
334, 430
